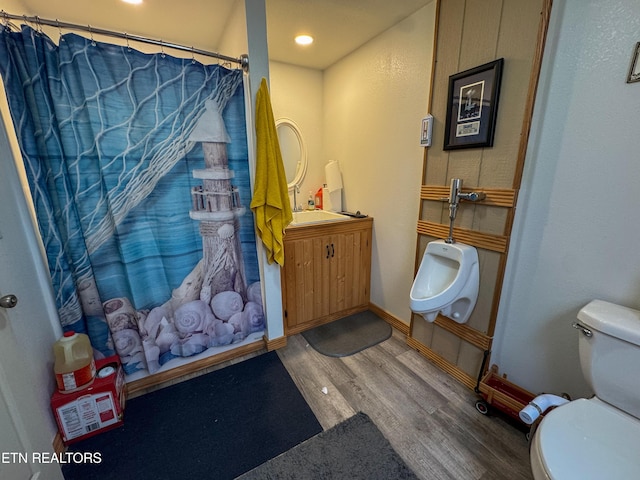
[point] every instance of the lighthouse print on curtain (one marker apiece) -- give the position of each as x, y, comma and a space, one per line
138, 169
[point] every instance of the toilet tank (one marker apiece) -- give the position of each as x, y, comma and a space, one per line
610, 357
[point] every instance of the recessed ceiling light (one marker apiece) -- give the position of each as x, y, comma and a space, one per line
304, 39
133, 2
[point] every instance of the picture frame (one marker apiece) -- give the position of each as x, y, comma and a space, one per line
472, 106
634, 68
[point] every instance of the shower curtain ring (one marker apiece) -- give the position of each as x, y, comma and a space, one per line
127, 39
39, 25
93, 42
59, 30
5, 21
162, 48
193, 56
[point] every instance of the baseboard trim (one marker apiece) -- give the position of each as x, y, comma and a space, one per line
58, 445
392, 320
193, 367
275, 344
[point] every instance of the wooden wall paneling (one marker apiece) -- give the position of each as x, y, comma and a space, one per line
497, 292
446, 366
470, 33
464, 164
499, 172
543, 25
490, 264
464, 216
499, 168
480, 34
497, 243
433, 211
469, 359
464, 332
446, 344
451, 21
491, 220
543, 10
422, 244
421, 330
495, 197
424, 206
516, 35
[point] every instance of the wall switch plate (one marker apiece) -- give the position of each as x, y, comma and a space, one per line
425, 132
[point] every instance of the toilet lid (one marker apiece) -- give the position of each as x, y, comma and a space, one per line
588, 439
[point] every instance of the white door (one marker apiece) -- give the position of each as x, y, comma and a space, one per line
26, 337
16, 446
10, 440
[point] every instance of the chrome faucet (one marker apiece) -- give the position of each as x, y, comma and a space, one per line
296, 207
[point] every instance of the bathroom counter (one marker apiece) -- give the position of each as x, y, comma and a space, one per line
327, 272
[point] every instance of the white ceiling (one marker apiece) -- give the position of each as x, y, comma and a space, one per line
339, 26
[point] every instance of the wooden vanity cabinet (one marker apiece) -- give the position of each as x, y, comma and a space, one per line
326, 273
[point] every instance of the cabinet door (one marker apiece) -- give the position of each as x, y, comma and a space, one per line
350, 265
326, 275
307, 280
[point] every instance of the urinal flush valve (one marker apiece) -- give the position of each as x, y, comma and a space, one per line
455, 195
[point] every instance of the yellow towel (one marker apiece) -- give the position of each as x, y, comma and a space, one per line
270, 202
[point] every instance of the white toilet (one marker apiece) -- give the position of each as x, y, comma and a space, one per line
598, 438
447, 282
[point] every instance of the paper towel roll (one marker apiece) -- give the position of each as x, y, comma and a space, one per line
332, 201
333, 176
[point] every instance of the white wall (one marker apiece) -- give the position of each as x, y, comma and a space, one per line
233, 41
296, 93
577, 230
374, 100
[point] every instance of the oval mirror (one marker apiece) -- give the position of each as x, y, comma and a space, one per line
294, 151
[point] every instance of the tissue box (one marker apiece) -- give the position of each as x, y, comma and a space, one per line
94, 409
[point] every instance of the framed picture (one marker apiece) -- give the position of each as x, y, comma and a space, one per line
472, 106
634, 68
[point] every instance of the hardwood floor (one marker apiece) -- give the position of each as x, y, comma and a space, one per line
428, 417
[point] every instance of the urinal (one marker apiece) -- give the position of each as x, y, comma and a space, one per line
447, 282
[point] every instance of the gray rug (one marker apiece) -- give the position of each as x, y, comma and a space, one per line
354, 449
348, 335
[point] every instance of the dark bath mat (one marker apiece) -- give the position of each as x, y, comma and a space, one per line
354, 449
216, 426
348, 335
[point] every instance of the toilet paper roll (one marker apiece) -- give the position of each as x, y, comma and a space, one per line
333, 176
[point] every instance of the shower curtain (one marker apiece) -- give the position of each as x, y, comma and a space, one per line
138, 170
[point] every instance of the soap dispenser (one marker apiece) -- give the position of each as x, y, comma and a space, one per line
310, 203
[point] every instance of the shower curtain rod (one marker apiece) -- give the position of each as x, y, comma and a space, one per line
243, 60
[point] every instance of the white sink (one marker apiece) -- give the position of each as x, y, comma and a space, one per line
316, 216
